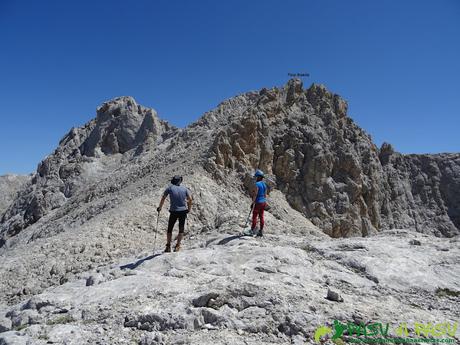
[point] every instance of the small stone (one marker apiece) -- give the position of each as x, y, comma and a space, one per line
333, 296
5, 324
57, 270
94, 279
26, 317
203, 300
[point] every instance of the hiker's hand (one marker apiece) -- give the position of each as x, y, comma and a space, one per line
187, 211
252, 205
158, 209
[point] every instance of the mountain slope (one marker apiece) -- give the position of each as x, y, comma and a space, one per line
88, 218
84, 156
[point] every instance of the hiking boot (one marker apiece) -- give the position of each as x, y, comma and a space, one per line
177, 247
260, 234
168, 248
248, 232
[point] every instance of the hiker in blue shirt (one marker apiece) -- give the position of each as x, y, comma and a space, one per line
259, 202
180, 205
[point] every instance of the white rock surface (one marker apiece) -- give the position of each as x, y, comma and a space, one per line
243, 289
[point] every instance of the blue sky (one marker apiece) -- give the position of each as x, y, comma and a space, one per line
396, 62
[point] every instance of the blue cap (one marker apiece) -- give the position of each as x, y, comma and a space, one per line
259, 173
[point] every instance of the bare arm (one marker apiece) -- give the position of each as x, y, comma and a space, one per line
163, 198
189, 203
254, 197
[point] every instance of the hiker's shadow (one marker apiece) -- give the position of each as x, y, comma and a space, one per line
139, 262
228, 239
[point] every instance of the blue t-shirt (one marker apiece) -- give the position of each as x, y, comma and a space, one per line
261, 192
177, 197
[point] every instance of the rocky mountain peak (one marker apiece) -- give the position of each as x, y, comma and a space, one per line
117, 106
329, 168
121, 125
121, 129
294, 88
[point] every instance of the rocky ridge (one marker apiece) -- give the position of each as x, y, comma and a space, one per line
332, 172
327, 166
84, 228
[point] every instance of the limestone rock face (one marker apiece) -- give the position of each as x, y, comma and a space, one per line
422, 193
9, 186
326, 165
121, 125
122, 128
330, 169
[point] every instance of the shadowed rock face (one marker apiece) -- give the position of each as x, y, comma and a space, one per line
328, 167
9, 186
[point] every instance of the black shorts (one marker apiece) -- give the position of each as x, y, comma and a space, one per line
173, 217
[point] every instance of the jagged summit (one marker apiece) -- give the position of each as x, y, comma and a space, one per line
120, 125
86, 154
270, 101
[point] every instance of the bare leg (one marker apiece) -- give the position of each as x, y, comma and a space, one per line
168, 238
179, 239
168, 241
171, 222
180, 236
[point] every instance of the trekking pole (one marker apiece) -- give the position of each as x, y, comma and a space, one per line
249, 215
187, 224
187, 231
156, 230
